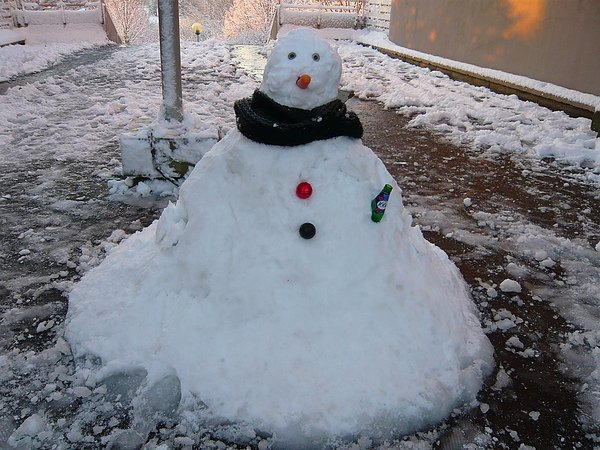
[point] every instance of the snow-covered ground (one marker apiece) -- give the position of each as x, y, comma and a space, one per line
59, 136
46, 44
490, 125
380, 39
472, 115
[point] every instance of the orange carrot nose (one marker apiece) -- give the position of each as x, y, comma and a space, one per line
303, 81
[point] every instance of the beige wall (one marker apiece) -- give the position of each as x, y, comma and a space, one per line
556, 41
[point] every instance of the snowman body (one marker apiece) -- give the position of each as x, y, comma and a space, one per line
364, 328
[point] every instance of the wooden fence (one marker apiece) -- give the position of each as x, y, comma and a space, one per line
378, 14
5, 15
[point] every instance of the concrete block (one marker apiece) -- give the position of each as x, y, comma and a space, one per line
171, 157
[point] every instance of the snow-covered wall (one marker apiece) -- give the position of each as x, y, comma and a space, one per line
319, 19
317, 16
555, 41
60, 16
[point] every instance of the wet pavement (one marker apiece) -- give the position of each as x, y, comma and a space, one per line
437, 176
529, 400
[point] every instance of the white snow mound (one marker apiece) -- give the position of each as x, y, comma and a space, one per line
365, 328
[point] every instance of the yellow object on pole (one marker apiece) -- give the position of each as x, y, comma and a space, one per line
197, 27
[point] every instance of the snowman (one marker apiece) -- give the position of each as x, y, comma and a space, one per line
271, 292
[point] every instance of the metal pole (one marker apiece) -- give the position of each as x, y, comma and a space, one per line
170, 59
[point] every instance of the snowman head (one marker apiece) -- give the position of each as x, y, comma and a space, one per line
303, 71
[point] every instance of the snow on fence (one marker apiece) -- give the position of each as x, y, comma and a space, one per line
109, 26
378, 14
6, 21
316, 16
31, 13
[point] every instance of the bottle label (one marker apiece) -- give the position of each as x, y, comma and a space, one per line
381, 202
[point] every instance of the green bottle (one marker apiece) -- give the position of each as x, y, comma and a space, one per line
379, 203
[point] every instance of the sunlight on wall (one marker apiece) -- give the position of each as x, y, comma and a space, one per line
527, 16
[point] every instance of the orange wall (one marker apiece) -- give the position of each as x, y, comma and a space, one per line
556, 41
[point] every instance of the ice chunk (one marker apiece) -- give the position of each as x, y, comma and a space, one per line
515, 342
183, 441
7, 425
516, 271
505, 324
513, 434
509, 285
528, 353
74, 435
125, 440
117, 236
502, 379
143, 189
44, 326
102, 390
124, 385
32, 426
547, 263
81, 392
160, 400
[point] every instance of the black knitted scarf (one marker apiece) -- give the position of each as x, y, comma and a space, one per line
263, 120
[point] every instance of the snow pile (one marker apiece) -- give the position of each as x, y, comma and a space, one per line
472, 115
266, 327
364, 328
552, 268
10, 36
123, 95
381, 40
21, 59
47, 45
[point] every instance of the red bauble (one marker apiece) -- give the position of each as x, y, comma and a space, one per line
304, 190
